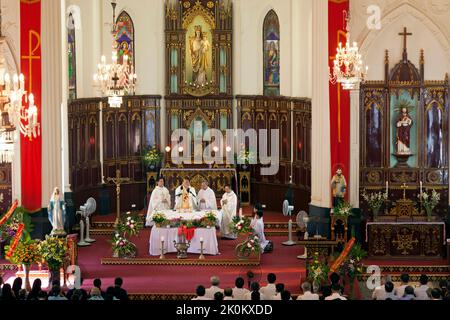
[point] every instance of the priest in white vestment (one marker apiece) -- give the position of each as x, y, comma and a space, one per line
186, 197
206, 198
159, 200
229, 208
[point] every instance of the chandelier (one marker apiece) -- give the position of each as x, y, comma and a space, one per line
348, 68
116, 79
18, 110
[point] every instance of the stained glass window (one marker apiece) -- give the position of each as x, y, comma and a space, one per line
125, 37
72, 61
271, 54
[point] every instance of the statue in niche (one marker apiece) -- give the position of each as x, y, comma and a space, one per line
199, 47
404, 124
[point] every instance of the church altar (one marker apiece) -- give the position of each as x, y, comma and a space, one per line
170, 234
406, 239
210, 244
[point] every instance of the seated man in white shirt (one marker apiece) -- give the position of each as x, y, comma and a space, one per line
279, 288
390, 294
254, 287
239, 291
335, 293
422, 292
400, 291
379, 293
270, 290
215, 281
201, 293
307, 294
228, 294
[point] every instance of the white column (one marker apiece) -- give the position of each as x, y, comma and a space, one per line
320, 148
52, 97
354, 148
65, 95
100, 126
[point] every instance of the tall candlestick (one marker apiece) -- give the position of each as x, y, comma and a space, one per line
421, 188
387, 187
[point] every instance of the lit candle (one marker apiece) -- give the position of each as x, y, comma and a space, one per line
162, 239
21, 81
7, 82
201, 239
421, 188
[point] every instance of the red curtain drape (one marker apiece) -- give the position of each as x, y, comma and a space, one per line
339, 98
30, 64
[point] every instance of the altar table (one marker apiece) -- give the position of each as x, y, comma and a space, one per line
210, 244
406, 239
186, 215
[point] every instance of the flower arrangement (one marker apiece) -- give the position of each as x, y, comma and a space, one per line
318, 271
159, 219
344, 209
246, 157
153, 157
54, 251
375, 200
122, 247
130, 225
249, 247
26, 253
429, 202
241, 225
209, 220
352, 265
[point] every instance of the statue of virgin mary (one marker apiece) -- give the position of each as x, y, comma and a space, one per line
57, 214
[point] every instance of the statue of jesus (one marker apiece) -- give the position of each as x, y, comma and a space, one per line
404, 124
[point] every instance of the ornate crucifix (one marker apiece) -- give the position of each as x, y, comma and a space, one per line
404, 187
117, 181
405, 34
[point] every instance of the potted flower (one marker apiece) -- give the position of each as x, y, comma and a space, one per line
375, 201
152, 158
25, 254
241, 225
209, 220
429, 202
123, 248
246, 157
54, 252
159, 219
317, 272
353, 266
130, 225
249, 247
343, 210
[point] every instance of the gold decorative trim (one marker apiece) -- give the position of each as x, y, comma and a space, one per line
196, 10
180, 262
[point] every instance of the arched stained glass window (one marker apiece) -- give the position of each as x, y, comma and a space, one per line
271, 45
72, 61
125, 37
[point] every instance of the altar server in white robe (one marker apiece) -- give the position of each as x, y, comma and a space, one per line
258, 227
229, 208
206, 198
186, 197
159, 200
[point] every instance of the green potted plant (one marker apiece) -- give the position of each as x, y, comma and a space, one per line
375, 201
429, 202
54, 252
152, 158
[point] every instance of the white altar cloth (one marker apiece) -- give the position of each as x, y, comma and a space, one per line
210, 244
186, 215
